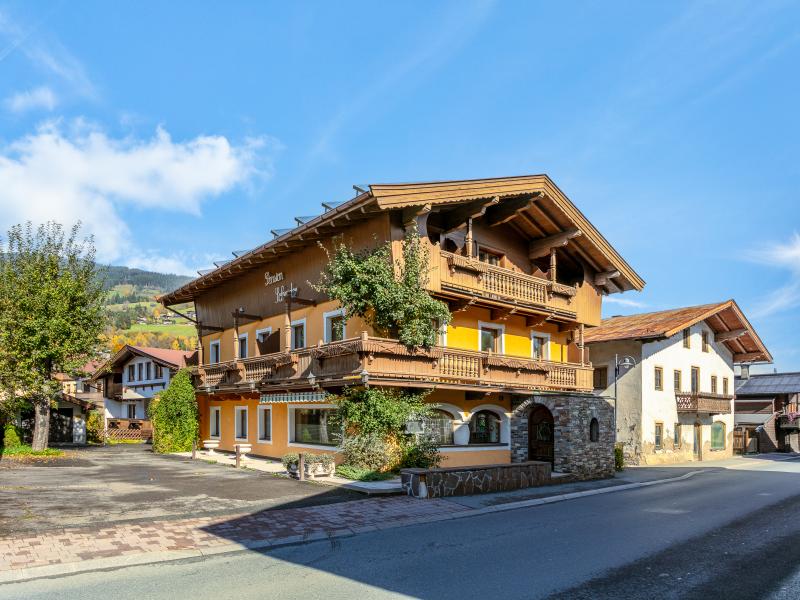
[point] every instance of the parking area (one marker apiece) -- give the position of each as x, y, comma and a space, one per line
128, 483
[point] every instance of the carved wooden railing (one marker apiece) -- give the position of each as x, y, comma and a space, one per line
703, 402
475, 277
375, 359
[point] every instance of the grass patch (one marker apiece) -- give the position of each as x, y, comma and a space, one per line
118, 442
358, 474
177, 329
25, 450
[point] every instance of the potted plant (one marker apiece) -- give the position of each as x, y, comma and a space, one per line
290, 462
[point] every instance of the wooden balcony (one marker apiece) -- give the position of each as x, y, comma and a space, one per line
387, 362
469, 276
702, 402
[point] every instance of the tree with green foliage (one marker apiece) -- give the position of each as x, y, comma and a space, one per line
391, 298
51, 315
174, 416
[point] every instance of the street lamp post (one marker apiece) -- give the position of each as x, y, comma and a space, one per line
625, 362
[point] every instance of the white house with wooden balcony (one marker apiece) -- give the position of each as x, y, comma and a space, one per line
523, 272
130, 380
676, 403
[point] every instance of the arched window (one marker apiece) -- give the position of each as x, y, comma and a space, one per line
439, 426
718, 435
594, 430
484, 428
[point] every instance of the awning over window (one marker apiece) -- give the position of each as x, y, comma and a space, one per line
294, 397
751, 418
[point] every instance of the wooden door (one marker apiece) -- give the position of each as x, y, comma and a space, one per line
698, 441
540, 434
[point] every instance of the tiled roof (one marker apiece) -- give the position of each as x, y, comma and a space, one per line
173, 357
768, 384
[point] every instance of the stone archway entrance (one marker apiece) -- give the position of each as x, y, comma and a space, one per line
540, 434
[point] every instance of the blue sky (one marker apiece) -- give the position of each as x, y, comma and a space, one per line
180, 131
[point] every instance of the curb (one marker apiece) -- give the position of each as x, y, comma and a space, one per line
117, 562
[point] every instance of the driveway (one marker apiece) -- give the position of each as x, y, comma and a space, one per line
128, 483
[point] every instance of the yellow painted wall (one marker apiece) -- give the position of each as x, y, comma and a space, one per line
463, 333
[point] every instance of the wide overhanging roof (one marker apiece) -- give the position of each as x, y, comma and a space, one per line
531, 204
725, 319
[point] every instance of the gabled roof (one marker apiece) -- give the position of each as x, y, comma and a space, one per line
725, 319
768, 384
172, 359
544, 210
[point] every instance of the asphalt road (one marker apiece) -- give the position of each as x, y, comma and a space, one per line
721, 534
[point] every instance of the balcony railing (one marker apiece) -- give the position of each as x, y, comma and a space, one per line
468, 275
703, 402
379, 360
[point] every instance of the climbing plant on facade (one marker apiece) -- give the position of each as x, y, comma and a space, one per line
392, 298
174, 416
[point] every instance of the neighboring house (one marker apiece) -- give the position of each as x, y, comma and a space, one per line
130, 379
676, 404
767, 411
523, 272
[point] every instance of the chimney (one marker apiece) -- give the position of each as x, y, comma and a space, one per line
745, 372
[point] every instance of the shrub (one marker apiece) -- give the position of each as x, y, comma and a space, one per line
370, 451
12, 436
95, 425
290, 460
359, 474
174, 416
421, 452
619, 458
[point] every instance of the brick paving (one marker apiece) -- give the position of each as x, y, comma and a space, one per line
272, 526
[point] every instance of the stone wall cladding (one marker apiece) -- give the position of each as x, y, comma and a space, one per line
574, 453
464, 481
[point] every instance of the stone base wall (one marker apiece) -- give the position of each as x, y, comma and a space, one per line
574, 452
463, 481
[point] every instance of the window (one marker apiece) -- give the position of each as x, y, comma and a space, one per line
713, 384
489, 256
214, 424
659, 435
695, 379
159, 372
704, 337
241, 422
718, 435
213, 354
600, 378
334, 326
264, 424
314, 426
439, 427
140, 372
441, 337
131, 372
149, 370
677, 380
678, 439
725, 386
594, 430
484, 428
539, 346
298, 334
659, 378
86, 387
491, 338
687, 340
265, 342
243, 345
131, 411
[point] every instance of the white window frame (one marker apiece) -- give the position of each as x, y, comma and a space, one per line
546, 336
442, 335
499, 327
259, 411
128, 406
237, 420
292, 325
290, 427
246, 344
214, 410
326, 322
211, 345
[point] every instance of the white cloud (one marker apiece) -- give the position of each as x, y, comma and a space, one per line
40, 97
624, 302
785, 256
79, 172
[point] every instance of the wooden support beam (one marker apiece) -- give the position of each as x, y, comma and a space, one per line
417, 215
748, 357
240, 315
501, 314
458, 217
508, 209
535, 321
459, 305
210, 327
725, 336
542, 247
603, 278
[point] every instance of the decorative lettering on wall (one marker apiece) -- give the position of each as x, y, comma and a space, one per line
272, 278
283, 291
